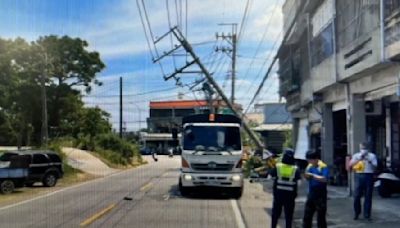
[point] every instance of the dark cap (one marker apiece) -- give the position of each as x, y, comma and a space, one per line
312, 155
288, 157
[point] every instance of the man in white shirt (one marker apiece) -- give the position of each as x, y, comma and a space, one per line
364, 164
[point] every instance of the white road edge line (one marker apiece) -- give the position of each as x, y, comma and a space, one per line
68, 188
238, 214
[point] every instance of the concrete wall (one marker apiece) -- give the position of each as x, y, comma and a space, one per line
306, 91
324, 74
366, 49
379, 79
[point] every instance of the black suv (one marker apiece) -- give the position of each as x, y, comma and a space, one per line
44, 166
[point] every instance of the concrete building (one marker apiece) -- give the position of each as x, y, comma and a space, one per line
276, 122
166, 115
339, 72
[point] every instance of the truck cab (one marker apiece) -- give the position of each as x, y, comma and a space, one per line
211, 153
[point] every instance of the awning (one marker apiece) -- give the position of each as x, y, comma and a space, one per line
339, 105
157, 137
315, 128
273, 127
302, 140
382, 92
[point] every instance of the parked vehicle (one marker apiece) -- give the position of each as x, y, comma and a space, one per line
43, 166
388, 182
212, 153
145, 151
13, 173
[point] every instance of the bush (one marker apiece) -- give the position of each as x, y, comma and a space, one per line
55, 146
114, 150
114, 143
84, 142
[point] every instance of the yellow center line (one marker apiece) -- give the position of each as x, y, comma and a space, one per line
98, 215
146, 187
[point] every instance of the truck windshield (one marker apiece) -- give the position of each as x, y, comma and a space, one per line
211, 138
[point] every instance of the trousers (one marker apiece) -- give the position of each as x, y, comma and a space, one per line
364, 186
315, 204
287, 202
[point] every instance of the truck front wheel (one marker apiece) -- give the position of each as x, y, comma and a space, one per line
185, 191
237, 192
7, 186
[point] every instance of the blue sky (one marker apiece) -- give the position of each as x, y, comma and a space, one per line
113, 28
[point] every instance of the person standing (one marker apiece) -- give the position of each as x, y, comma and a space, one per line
286, 174
317, 174
363, 164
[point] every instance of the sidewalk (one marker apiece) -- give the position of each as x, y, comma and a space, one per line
256, 207
385, 212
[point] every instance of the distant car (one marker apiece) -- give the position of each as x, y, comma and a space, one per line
145, 151
43, 166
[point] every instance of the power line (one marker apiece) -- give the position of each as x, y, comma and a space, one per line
267, 59
150, 31
273, 61
170, 26
244, 21
137, 94
261, 41
177, 13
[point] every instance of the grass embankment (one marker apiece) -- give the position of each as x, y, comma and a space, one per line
109, 148
71, 175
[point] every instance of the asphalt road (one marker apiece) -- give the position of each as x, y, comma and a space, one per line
151, 200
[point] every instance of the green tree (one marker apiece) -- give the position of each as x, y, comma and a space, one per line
67, 66
94, 121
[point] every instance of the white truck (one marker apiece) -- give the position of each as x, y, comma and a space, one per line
211, 153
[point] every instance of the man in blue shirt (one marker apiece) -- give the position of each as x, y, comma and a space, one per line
317, 174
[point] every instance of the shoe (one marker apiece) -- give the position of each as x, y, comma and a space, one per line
355, 217
368, 218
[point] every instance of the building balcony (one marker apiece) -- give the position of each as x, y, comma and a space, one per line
358, 39
392, 32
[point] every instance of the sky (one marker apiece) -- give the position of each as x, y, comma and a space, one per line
114, 29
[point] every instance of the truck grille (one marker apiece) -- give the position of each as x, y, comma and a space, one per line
211, 167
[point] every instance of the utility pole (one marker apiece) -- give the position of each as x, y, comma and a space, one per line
179, 36
189, 49
44, 130
120, 107
208, 91
232, 40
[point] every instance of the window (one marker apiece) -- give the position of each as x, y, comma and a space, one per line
40, 159
391, 7
209, 137
7, 156
54, 157
322, 46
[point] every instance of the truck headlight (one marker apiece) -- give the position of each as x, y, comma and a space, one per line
236, 177
187, 177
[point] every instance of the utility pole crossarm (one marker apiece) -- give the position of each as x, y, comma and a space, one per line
166, 54
211, 80
180, 70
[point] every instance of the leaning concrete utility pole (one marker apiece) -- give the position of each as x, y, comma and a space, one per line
179, 36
